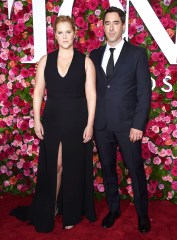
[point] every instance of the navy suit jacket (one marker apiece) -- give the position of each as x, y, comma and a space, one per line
123, 101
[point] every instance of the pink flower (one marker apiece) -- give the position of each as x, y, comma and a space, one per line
155, 128
29, 150
25, 73
170, 94
174, 113
173, 10
24, 125
152, 147
154, 56
19, 187
157, 161
174, 103
3, 97
2, 78
168, 152
6, 183
4, 111
80, 22
151, 189
92, 4
170, 195
168, 161
174, 134
167, 178
18, 5
24, 147
97, 12
129, 181
162, 153
174, 185
91, 18
105, 4
164, 21
36, 141
139, 38
31, 123
16, 110
99, 32
19, 165
27, 165
174, 171
75, 11
26, 173
161, 186
100, 187
3, 169
56, 9
25, 111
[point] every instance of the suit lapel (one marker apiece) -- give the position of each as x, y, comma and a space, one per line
100, 61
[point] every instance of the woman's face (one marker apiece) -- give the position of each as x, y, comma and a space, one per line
64, 35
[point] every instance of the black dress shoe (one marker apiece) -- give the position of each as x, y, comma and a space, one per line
109, 219
144, 224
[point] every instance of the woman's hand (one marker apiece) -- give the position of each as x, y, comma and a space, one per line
88, 133
39, 130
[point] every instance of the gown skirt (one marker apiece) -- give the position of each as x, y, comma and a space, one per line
64, 120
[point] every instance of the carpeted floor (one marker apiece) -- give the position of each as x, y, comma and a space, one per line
163, 216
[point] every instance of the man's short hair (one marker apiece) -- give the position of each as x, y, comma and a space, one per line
121, 13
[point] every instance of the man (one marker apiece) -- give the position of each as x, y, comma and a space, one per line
123, 100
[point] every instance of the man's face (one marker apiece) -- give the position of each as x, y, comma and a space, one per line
113, 28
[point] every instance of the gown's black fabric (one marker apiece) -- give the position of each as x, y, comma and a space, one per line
64, 120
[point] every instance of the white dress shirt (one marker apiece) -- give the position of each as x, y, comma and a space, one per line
107, 54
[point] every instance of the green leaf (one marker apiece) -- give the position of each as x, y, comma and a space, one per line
2, 130
174, 151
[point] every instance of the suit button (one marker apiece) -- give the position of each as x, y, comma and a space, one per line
108, 86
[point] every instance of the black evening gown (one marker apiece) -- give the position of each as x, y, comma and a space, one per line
64, 120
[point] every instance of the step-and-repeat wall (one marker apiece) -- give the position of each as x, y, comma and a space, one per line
26, 33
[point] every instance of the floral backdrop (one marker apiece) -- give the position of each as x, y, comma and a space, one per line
19, 145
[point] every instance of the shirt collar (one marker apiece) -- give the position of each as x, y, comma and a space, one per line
117, 47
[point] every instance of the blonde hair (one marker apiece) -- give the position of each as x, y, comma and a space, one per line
63, 18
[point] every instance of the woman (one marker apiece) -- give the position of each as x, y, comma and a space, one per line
65, 176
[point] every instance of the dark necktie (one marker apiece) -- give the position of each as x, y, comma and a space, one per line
110, 65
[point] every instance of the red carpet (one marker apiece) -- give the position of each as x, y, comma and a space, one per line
163, 216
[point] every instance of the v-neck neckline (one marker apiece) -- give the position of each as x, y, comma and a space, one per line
68, 67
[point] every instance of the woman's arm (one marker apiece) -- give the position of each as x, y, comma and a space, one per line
38, 97
90, 89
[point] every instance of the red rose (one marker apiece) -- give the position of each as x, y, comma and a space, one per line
105, 4
159, 193
170, 94
25, 125
167, 167
159, 141
92, 4
91, 18
75, 11
18, 137
174, 171
11, 55
25, 73
25, 110
80, 21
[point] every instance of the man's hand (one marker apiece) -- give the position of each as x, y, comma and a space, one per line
135, 135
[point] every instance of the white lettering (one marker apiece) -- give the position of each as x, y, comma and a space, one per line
165, 80
143, 8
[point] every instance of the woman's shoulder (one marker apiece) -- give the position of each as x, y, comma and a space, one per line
53, 53
78, 53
